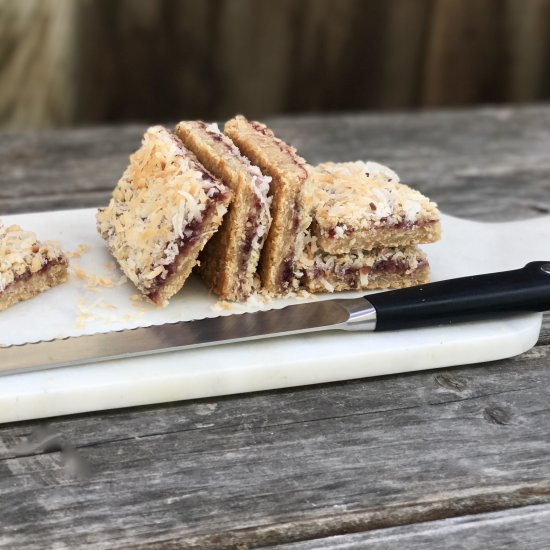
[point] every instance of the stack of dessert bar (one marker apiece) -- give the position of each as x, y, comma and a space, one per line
250, 213
169, 205
288, 225
365, 229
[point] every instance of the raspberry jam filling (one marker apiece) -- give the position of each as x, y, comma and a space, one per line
394, 267
28, 274
287, 271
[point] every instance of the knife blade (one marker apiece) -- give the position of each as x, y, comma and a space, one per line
444, 302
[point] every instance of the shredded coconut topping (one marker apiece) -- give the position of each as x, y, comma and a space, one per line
21, 254
156, 207
372, 167
351, 196
213, 128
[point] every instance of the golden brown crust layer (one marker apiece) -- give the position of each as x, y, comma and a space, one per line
26, 287
163, 210
229, 261
376, 281
289, 172
377, 237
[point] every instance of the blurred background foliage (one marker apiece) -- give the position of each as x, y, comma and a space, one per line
87, 62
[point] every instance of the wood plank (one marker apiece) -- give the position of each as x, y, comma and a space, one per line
290, 465
307, 463
544, 338
62, 169
489, 164
469, 161
526, 528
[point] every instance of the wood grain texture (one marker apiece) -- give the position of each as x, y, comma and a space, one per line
289, 465
387, 457
544, 338
526, 528
487, 164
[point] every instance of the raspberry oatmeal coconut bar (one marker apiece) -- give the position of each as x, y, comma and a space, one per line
365, 225
362, 205
27, 266
279, 269
162, 211
364, 269
229, 260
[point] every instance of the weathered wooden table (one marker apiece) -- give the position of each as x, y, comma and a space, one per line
458, 457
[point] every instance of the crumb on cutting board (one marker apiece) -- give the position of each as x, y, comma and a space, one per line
141, 303
101, 311
222, 305
81, 249
95, 282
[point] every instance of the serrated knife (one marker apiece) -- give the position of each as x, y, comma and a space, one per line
445, 302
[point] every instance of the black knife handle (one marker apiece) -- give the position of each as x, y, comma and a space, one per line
464, 299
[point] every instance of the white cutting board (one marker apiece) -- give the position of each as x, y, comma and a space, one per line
83, 307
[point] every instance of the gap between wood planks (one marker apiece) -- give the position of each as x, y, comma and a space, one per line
526, 528
503, 498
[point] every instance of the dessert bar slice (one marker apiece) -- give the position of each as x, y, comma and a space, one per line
364, 269
163, 210
229, 260
278, 262
362, 205
27, 266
